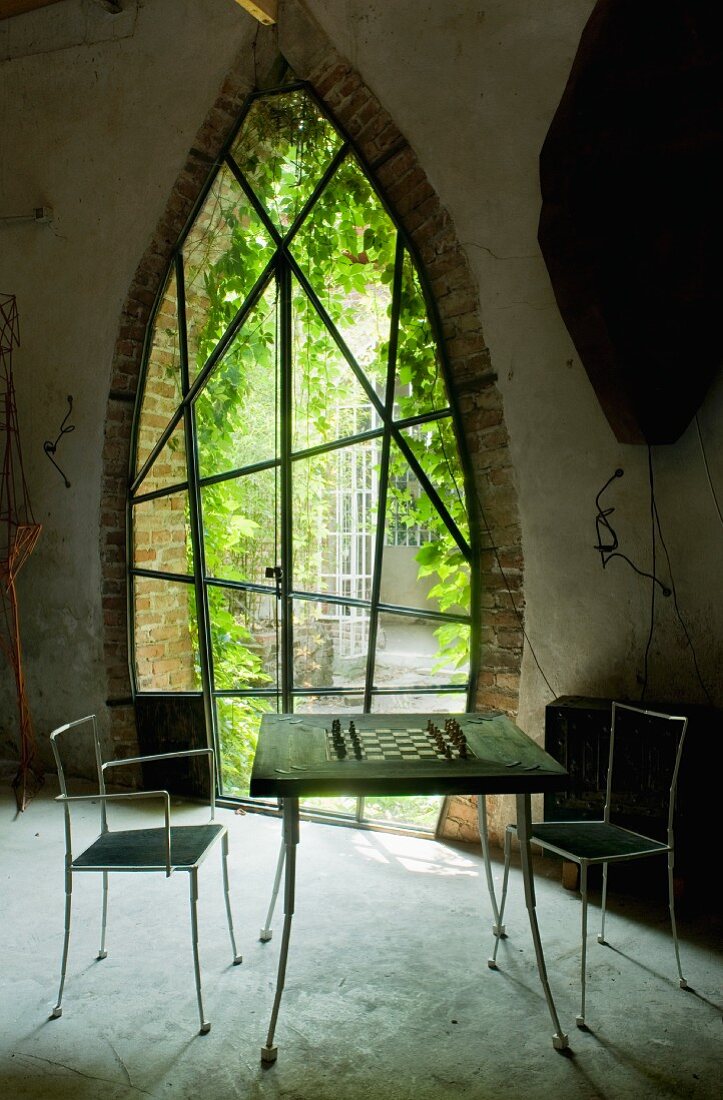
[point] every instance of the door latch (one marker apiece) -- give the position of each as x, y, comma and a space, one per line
273, 573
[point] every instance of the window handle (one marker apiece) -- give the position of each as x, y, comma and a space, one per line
273, 572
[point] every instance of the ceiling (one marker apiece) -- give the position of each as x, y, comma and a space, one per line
265, 11
18, 7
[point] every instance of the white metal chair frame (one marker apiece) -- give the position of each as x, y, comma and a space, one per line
146, 843
612, 844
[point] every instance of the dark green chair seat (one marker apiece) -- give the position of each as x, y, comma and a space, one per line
147, 847
593, 840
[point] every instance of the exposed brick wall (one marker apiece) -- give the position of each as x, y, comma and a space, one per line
401, 178
125, 372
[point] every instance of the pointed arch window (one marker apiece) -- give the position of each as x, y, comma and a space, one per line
299, 532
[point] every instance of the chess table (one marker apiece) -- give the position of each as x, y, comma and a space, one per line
295, 758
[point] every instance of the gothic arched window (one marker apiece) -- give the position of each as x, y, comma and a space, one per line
299, 535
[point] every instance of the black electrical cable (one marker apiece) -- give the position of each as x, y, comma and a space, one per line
651, 629
492, 546
675, 601
707, 469
610, 550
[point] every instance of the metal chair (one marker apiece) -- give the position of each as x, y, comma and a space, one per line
592, 842
167, 848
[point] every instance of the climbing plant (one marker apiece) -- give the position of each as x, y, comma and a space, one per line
317, 398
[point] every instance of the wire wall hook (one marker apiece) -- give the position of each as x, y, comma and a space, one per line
50, 447
609, 549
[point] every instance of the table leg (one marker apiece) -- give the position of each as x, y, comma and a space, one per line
524, 820
497, 928
266, 933
290, 808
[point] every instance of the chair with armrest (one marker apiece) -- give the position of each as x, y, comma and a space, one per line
588, 843
165, 848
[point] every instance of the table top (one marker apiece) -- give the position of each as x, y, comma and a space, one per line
293, 759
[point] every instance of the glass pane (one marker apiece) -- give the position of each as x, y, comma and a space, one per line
346, 250
243, 639
341, 804
413, 651
330, 645
166, 635
335, 705
238, 721
169, 467
434, 445
162, 383
329, 402
335, 515
223, 256
238, 527
419, 811
283, 148
419, 387
236, 409
422, 565
442, 703
162, 534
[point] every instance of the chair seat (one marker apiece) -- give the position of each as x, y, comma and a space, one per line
594, 840
147, 847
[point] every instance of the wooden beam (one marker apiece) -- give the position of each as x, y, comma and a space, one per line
266, 11
19, 7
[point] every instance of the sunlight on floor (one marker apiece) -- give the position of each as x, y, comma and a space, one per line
424, 857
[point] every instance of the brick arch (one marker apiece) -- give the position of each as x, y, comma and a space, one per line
394, 165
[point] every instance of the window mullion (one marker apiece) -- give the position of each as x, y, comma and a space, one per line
284, 339
384, 473
195, 514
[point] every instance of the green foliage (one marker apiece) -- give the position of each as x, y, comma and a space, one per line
346, 249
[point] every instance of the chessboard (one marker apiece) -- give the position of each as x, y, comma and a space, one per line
413, 742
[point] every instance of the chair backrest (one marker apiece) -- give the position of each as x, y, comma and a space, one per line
643, 765
89, 722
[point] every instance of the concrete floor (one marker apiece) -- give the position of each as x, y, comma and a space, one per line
388, 994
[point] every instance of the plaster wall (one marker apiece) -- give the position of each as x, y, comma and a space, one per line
99, 129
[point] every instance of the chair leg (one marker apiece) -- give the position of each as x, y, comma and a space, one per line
580, 1021
671, 906
58, 1011
205, 1026
492, 963
224, 862
601, 937
102, 953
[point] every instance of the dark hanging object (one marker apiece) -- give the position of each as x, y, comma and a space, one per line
50, 447
632, 217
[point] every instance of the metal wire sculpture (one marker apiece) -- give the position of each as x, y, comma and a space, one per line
18, 536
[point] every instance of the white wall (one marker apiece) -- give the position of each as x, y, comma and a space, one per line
498, 71
99, 129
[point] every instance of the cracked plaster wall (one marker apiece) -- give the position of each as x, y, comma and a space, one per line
99, 129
